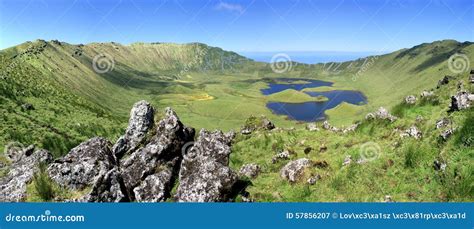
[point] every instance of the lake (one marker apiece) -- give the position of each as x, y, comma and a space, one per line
310, 111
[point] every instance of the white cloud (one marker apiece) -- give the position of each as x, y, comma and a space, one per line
230, 7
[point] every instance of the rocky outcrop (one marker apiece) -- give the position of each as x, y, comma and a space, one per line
285, 155
427, 94
156, 187
312, 127
205, 175
249, 170
381, 114
462, 100
442, 123
413, 131
83, 165
256, 123
328, 126
410, 100
294, 170
13, 185
141, 121
160, 157
108, 187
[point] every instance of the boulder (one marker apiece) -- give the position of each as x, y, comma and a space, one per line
413, 131
205, 175
312, 127
13, 185
347, 160
426, 94
156, 187
445, 134
443, 123
462, 100
381, 114
410, 100
27, 107
256, 123
471, 78
329, 127
294, 170
164, 151
285, 155
312, 180
250, 170
83, 165
439, 166
444, 81
140, 122
109, 187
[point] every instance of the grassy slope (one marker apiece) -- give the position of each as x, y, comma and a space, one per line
402, 167
294, 96
208, 88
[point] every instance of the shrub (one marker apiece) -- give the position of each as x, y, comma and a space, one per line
43, 185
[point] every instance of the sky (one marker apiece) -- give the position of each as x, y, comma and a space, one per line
242, 26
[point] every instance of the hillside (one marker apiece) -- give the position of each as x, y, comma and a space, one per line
75, 97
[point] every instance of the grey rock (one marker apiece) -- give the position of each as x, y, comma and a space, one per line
205, 175
312, 127
413, 131
471, 78
444, 81
13, 185
140, 122
462, 100
164, 147
347, 160
83, 165
312, 180
27, 107
294, 170
250, 170
156, 187
285, 155
439, 166
411, 99
381, 114
388, 199
257, 123
328, 126
425, 94
445, 134
108, 187
443, 123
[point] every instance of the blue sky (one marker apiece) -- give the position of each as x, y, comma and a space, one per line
243, 26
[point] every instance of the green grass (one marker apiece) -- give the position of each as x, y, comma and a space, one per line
73, 103
294, 96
